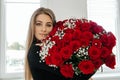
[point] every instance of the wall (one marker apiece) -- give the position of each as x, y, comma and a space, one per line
68, 8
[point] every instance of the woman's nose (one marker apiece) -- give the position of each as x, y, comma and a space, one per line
43, 28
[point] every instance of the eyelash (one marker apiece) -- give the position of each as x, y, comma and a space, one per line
39, 24
49, 25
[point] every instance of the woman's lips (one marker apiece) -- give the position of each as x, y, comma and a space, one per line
43, 35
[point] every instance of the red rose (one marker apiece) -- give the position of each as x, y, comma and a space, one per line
86, 67
78, 33
59, 24
84, 42
56, 39
104, 39
66, 52
69, 31
105, 52
97, 63
111, 40
88, 35
94, 52
78, 24
97, 43
97, 29
67, 38
67, 70
108, 40
53, 31
54, 59
62, 43
75, 45
93, 24
85, 26
110, 34
110, 61
53, 50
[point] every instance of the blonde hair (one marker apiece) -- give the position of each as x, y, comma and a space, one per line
30, 36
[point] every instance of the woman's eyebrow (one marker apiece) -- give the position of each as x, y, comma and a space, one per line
38, 21
49, 22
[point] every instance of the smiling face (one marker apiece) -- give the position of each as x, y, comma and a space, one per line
43, 26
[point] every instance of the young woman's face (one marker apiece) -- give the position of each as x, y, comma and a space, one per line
43, 26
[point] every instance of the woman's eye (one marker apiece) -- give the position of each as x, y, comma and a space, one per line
49, 25
38, 24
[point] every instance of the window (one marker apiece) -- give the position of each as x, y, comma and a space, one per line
16, 30
14, 22
105, 13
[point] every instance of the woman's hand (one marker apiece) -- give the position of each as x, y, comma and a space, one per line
90, 79
39, 44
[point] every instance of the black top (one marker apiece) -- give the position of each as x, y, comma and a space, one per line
41, 71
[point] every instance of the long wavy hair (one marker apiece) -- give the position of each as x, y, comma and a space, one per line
30, 35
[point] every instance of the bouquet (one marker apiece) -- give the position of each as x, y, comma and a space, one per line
78, 47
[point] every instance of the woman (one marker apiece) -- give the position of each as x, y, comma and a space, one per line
41, 24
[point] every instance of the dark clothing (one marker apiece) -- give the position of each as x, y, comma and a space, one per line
41, 71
